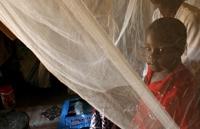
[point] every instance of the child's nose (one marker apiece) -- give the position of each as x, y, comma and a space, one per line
151, 59
153, 55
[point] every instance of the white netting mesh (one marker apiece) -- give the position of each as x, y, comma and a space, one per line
76, 41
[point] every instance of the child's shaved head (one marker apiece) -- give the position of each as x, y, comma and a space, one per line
169, 31
164, 44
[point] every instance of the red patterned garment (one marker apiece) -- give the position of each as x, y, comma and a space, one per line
177, 93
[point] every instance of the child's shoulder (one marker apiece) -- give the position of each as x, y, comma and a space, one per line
184, 78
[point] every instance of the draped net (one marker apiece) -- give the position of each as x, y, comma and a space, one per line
92, 46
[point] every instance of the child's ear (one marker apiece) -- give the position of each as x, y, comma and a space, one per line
181, 45
181, 48
184, 47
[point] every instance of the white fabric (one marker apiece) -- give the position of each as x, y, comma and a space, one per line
194, 2
74, 40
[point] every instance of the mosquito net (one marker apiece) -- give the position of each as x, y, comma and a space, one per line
92, 46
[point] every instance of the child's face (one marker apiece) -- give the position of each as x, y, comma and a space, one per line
160, 55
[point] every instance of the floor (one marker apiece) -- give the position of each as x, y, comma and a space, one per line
34, 96
34, 101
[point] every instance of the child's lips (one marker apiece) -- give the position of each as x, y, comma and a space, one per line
152, 65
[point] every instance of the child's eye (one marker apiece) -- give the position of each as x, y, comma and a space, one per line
147, 48
161, 50
165, 50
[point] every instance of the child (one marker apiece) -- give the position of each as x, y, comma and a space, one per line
167, 78
190, 17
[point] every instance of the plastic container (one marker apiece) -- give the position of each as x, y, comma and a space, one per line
75, 114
